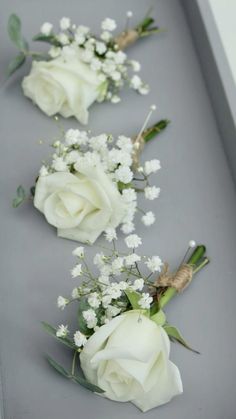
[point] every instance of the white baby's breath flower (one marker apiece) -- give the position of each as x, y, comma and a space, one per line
59, 164
43, 171
104, 280
148, 219
72, 157
79, 339
83, 29
106, 36
133, 241
115, 99
144, 89
76, 271
110, 234
132, 259
62, 302
87, 55
95, 64
129, 195
80, 38
152, 166
113, 290
65, 23
125, 143
62, 331
117, 265
127, 228
120, 57
79, 252
90, 318
135, 65
145, 301
106, 300
108, 24
100, 47
136, 82
75, 293
151, 192
46, 28
154, 263
63, 38
124, 174
138, 284
93, 300
54, 52
71, 136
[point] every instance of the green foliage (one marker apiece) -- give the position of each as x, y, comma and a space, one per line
133, 297
83, 305
14, 31
175, 335
49, 39
159, 318
52, 331
20, 197
15, 63
84, 383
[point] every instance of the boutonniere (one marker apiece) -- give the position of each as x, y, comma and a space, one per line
90, 183
122, 338
79, 67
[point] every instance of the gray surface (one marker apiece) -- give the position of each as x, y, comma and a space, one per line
198, 201
217, 72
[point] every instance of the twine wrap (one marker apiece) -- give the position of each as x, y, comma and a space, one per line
138, 146
179, 280
125, 39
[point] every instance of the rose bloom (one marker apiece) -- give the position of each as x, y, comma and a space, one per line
80, 205
64, 85
129, 359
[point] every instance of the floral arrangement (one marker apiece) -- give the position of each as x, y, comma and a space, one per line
123, 338
89, 185
79, 67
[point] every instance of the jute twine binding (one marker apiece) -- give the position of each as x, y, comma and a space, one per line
138, 146
126, 38
179, 280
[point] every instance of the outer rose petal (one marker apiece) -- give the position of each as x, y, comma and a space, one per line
139, 370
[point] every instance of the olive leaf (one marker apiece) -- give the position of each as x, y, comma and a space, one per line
15, 63
20, 197
84, 383
175, 335
14, 31
53, 332
50, 39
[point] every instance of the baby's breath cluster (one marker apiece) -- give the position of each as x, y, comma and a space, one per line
100, 53
104, 290
78, 149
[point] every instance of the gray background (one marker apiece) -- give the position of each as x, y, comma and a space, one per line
197, 202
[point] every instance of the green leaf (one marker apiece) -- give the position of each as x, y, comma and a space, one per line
52, 331
175, 335
15, 63
83, 305
20, 197
50, 39
159, 318
14, 31
57, 367
154, 308
133, 297
84, 383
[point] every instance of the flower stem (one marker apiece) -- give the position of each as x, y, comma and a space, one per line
155, 129
73, 363
195, 258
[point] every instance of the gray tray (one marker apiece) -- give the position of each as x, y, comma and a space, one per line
197, 202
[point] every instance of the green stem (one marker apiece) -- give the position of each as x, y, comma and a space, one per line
155, 129
193, 260
73, 363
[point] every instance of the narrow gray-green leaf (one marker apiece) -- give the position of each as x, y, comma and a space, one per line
53, 332
20, 197
84, 383
14, 31
57, 367
175, 334
49, 39
15, 63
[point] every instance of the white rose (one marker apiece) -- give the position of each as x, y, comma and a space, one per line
81, 206
64, 85
129, 359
